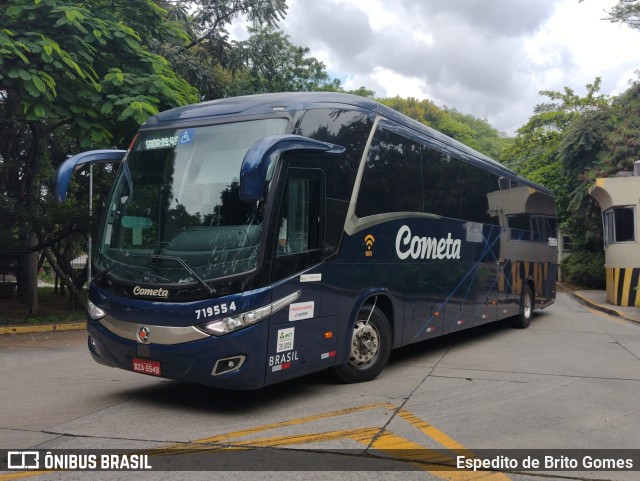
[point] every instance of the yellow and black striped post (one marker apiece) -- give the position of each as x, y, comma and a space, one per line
622, 286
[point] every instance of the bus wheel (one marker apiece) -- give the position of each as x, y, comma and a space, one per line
370, 347
523, 319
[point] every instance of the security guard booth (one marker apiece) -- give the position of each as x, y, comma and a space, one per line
619, 199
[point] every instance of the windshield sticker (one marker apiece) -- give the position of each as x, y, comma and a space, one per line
186, 137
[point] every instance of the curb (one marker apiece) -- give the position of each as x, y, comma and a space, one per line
37, 329
594, 305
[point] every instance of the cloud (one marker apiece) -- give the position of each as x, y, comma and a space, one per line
487, 58
511, 18
341, 29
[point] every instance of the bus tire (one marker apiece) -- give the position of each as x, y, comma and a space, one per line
523, 320
370, 347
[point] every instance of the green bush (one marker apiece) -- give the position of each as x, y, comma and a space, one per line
585, 268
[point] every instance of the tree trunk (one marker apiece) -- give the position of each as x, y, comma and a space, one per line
65, 279
31, 278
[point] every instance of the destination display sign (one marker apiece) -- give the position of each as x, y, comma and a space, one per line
168, 140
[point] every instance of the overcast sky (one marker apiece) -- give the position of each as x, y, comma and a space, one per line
487, 58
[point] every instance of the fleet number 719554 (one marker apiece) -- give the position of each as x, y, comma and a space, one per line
215, 310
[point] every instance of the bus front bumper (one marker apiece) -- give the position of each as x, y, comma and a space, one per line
234, 361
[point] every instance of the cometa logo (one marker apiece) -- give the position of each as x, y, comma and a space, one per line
141, 291
426, 247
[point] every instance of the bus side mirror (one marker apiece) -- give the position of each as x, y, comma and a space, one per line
261, 155
69, 166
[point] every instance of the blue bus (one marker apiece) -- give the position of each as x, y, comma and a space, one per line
250, 240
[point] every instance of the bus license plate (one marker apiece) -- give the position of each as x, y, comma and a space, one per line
147, 366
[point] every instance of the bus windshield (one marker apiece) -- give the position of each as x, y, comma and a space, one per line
174, 215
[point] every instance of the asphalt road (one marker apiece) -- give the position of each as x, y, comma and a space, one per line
569, 382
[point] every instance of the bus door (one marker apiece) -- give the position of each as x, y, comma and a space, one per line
301, 337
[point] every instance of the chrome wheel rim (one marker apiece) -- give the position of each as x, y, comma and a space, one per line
365, 344
527, 308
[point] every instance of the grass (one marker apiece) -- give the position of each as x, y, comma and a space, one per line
52, 309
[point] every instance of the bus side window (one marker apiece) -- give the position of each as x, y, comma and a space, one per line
392, 179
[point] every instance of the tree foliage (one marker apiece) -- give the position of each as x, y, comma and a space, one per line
210, 58
622, 144
474, 132
212, 16
568, 143
537, 152
271, 63
71, 75
626, 11
69, 64
78, 75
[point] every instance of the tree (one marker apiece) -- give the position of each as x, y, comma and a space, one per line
361, 91
622, 145
474, 132
71, 72
274, 64
535, 152
626, 11
212, 16
559, 147
209, 58
425, 111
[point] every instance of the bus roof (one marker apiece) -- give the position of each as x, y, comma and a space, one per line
296, 101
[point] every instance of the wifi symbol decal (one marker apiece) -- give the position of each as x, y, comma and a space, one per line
369, 240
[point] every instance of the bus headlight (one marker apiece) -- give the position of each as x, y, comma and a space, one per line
94, 311
240, 321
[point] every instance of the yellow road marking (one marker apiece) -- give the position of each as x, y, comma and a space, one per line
293, 422
434, 463
362, 435
22, 474
448, 442
432, 432
393, 446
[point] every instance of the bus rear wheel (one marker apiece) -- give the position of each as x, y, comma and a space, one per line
523, 319
369, 348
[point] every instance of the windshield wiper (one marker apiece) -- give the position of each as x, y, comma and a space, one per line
187, 268
101, 275
161, 258
108, 270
